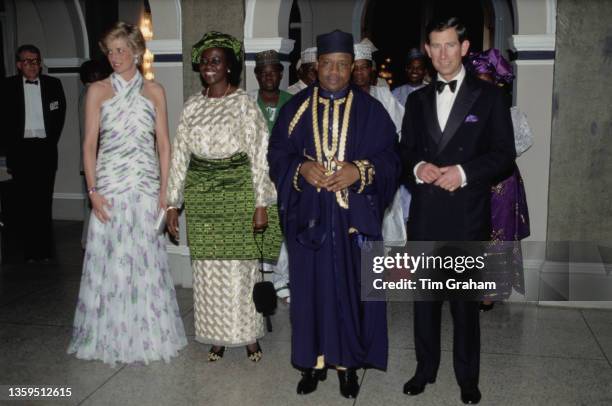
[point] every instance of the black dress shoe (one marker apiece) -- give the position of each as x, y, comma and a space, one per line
310, 380
349, 383
416, 386
470, 396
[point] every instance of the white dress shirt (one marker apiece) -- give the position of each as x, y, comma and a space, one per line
297, 87
446, 99
401, 93
395, 110
394, 220
34, 119
444, 105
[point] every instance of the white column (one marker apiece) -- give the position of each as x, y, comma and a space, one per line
533, 92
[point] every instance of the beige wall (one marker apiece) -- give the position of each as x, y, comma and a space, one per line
170, 75
69, 189
534, 97
581, 186
531, 15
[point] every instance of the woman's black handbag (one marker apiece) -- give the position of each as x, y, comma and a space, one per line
264, 294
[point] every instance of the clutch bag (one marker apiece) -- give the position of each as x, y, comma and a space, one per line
160, 223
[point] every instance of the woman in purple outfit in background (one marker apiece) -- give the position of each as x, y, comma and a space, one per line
509, 214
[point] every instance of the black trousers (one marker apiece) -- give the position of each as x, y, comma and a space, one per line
12, 248
466, 340
34, 179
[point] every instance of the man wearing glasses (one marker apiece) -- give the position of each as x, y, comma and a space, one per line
33, 110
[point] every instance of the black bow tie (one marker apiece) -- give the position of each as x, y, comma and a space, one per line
452, 85
31, 82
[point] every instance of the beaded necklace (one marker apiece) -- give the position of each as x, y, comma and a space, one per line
338, 142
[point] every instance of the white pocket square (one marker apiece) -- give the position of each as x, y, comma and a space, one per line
54, 105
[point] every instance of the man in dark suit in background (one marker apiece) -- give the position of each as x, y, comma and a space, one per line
33, 112
456, 141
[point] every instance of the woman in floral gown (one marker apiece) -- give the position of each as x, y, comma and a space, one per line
127, 310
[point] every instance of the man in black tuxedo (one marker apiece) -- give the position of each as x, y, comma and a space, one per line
33, 110
457, 140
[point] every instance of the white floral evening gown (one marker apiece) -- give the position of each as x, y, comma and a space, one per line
127, 310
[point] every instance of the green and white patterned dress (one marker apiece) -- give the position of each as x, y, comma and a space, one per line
219, 170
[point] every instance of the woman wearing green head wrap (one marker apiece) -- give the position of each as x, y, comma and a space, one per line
219, 171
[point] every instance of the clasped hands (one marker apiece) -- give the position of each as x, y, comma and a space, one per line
316, 174
446, 177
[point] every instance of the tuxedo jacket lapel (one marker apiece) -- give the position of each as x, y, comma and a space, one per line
431, 114
468, 93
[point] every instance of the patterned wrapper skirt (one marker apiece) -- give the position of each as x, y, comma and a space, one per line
510, 224
219, 205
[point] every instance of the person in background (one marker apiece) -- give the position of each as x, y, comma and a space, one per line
219, 171
415, 73
270, 99
306, 70
33, 110
375, 79
333, 157
509, 212
394, 228
89, 72
127, 310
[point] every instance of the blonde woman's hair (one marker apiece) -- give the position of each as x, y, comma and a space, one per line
130, 33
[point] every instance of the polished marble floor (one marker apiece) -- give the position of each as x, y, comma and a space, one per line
531, 355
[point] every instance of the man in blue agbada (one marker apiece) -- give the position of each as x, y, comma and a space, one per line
333, 157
